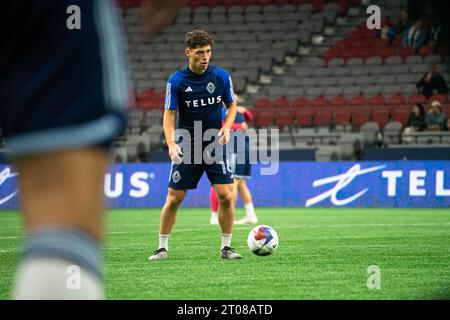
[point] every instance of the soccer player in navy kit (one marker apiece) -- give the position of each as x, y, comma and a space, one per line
198, 92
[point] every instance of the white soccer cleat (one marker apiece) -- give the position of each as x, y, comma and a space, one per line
214, 219
160, 254
228, 253
247, 220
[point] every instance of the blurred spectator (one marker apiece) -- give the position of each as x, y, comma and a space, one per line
447, 127
400, 27
142, 154
435, 119
416, 122
415, 36
432, 81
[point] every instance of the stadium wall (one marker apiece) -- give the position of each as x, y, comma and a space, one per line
390, 184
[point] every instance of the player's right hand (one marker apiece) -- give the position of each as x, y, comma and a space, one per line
175, 153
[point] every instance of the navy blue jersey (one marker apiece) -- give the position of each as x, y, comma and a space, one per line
199, 97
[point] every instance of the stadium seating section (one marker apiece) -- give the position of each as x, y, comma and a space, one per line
350, 79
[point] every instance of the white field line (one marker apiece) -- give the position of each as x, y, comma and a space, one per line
426, 224
364, 225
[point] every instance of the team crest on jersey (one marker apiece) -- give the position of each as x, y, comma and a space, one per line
210, 87
176, 176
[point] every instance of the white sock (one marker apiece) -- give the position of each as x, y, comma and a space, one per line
214, 214
226, 240
164, 241
250, 210
55, 279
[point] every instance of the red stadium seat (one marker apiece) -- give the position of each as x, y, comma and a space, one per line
148, 103
401, 114
127, 4
346, 54
416, 98
148, 100
365, 53
377, 100
262, 103
264, 117
343, 44
300, 102
338, 101
304, 116
195, 3
317, 5
323, 116
380, 115
342, 115
358, 101
379, 43
396, 99
246, 3
426, 50
446, 110
329, 54
281, 2
387, 52
362, 43
360, 115
285, 117
356, 34
319, 102
281, 102
405, 52
343, 6
146, 94
263, 2
442, 98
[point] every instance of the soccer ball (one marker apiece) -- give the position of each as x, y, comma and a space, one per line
262, 240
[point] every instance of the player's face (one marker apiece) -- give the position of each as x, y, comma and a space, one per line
199, 58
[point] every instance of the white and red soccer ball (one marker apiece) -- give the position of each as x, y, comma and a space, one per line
262, 240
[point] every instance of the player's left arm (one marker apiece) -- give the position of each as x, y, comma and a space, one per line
229, 99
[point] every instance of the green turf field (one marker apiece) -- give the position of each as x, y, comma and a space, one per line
323, 254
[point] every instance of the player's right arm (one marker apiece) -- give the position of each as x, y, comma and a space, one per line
170, 109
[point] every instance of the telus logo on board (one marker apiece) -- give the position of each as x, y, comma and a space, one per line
416, 179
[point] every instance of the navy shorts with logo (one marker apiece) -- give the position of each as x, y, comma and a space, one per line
184, 176
61, 88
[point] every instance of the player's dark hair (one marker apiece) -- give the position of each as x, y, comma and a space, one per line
198, 38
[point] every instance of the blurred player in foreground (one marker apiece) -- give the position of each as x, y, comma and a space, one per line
63, 93
241, 173
198, 91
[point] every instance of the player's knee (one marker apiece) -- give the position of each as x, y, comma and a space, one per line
174, 201
225, 198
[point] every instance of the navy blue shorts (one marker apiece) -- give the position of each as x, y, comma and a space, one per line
61, 88
184, 176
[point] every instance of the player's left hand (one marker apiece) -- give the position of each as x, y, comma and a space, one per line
224, 135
